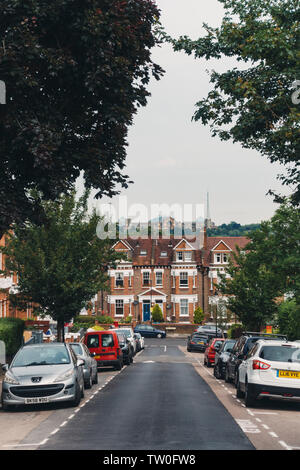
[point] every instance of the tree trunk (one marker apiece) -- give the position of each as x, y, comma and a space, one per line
61, 331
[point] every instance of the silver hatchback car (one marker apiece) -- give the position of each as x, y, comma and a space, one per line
43, 373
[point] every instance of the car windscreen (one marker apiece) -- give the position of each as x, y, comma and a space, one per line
126, 333
41, 355
202, 337
280, 353
77, 348
228, 345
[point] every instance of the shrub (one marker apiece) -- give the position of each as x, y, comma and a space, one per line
235, 331
198, 316
157, 315
11, 332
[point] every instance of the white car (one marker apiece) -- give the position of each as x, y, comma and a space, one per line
271, 369
129, 334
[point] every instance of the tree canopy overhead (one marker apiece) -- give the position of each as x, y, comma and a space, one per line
75, 71
253, 104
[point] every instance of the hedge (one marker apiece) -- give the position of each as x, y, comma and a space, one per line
11, 332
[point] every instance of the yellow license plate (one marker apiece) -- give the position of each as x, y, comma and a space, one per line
288, 374
200, 342
97, 357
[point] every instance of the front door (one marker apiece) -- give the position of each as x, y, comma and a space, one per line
146, 310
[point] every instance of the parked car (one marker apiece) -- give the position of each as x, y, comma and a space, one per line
140, 342
222, 357
271, 369
126, 347
90, 372
129, 334
213, 346
197, 342
105, 347
43, 373
212, 330
240, 351
149, 331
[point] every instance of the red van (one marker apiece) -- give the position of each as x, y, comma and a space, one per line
105, 347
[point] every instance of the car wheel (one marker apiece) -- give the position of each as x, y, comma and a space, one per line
82, 391
227, 378
216, 372
239, 393
249, 397
89, 383
118, 366
5, 407
188, 349
77, 398
95, 381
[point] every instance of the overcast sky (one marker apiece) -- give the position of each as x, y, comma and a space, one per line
174, 160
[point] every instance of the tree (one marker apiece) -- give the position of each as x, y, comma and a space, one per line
75, 72
289, 319
198, 316
253, 104
157, 315
266, 270
61, 265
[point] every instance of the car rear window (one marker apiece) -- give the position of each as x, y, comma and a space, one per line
92, 341
107, 341
280, 353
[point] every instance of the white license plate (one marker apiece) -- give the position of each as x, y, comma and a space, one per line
30, 401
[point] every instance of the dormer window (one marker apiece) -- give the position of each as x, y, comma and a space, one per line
221, 258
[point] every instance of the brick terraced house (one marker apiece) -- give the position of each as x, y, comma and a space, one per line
177, 275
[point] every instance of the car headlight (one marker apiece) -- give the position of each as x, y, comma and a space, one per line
9, 378
65, 376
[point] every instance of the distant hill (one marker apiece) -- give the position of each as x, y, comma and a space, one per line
232, 230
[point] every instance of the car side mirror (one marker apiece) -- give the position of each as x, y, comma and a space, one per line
80, 362
5, 367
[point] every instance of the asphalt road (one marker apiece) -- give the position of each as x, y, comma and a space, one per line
158, 403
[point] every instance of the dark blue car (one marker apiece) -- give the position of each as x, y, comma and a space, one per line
149, 331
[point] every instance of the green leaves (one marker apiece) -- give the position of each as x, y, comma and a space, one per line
62, 264
268, 270
76, 72
255, 101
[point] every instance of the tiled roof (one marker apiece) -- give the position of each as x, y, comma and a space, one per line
154, 248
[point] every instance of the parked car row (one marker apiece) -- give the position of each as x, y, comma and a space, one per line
259, 365
60, 372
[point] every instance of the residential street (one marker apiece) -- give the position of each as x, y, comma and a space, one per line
165, 400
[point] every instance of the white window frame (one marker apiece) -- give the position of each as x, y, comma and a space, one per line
120, 276
185, 286
178, 258
116, 306
159, 273
188, 256
186, 307
145, 274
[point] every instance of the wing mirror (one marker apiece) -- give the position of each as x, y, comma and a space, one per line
80, 362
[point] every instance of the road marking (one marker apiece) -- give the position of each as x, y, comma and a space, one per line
285, 445
264, 413
273, 434
265, 426
165, 350
248, 426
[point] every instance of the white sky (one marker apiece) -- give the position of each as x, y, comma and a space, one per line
174, 160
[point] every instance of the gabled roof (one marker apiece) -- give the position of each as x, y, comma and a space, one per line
152, 291
184, 242
221, 245
122, 242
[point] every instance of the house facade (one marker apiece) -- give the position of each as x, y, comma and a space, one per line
177, 275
